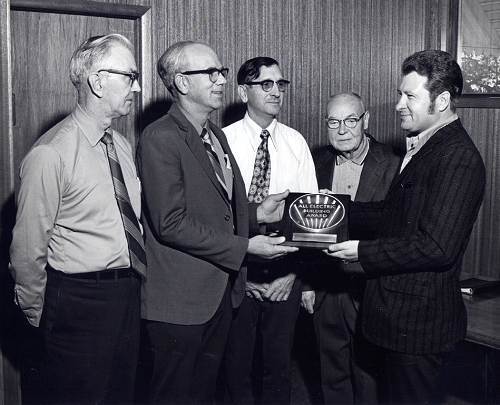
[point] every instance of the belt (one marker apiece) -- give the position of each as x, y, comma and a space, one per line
113, 274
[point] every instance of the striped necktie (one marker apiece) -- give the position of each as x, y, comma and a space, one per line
130, 222
259, 187
212, 156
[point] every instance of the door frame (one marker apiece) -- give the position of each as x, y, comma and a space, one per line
142, 20
10, 391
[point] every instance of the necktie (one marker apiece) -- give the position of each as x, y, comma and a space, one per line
259, 188
212, 156
130, 222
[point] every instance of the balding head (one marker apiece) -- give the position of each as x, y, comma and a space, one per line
351, 100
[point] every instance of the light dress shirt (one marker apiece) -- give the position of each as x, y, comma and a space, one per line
67, 214
292, 166
348, 171
415, 143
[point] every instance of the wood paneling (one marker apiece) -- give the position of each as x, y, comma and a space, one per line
323, 46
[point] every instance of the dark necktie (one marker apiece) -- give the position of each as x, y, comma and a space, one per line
212, 156
259, 188
130, 222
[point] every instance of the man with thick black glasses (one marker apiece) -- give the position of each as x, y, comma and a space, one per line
272, 158
197, 227
353, 163
77, 253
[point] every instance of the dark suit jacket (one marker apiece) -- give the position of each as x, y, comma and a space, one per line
412, 302
379, 169
196, 239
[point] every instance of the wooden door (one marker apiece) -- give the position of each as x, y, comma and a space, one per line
42, 45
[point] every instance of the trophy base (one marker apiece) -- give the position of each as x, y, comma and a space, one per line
307, 245
311, 240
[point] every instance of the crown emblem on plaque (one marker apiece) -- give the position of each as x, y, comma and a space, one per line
316, 212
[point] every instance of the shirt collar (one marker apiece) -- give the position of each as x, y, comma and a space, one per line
255, 130
415, 143
359, 155
88, 126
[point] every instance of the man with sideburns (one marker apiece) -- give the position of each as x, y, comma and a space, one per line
411, 245
197, 222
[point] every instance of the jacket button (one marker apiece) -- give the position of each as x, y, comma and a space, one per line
227, 217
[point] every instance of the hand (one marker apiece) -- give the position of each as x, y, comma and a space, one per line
347, 251
268, 247
256, 290
271, 209
279, 289
326, 191
307, 302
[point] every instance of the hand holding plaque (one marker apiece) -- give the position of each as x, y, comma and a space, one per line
315, 220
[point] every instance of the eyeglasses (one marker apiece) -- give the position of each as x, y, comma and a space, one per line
213, 73
133, 76
350, 122
267, 85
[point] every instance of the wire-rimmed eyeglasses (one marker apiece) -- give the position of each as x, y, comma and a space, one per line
349, 122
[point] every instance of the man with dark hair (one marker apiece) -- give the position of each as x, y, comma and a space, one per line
354, 163
77, 251
196, 228
272, 158
412, 308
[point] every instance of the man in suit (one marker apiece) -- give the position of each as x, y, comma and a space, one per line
412, 308
356, 164
77, 251
272, 158
197, 227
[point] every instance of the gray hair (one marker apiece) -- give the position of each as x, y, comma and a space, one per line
89, 54
170, 63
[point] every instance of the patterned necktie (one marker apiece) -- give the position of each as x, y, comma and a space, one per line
130, 222
212, 156
259, 188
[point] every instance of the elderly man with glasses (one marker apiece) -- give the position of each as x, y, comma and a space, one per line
77, 252
355, 164
197, 229
272, 158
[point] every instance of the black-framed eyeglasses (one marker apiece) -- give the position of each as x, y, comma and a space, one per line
133, 76
213, 73
267, 85
349, 122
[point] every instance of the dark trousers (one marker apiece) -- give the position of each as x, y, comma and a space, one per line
346, 361
186, 358
271, 325
91, 339
412, 378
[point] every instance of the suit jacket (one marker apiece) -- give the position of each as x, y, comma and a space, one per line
379, 169
412, 303
196, 238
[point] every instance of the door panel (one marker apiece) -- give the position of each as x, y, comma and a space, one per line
42, 45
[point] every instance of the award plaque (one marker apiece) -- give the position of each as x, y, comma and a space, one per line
315, 220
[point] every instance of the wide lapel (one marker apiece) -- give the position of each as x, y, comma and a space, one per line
432, 144
370, 176
326, 168
195, 144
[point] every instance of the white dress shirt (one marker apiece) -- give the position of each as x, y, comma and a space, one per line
292, 166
